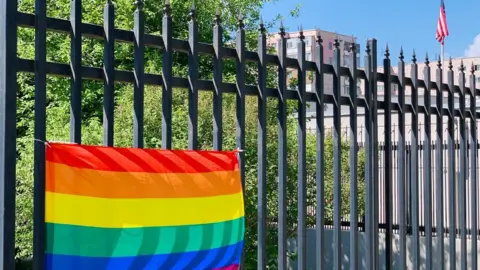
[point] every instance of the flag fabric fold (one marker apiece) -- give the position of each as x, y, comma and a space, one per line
442, 27
130, 208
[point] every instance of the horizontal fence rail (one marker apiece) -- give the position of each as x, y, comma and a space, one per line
419, 182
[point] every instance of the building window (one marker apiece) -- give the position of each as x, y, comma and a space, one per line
478, 80
477, 67
330, 45
289, 44
307, 42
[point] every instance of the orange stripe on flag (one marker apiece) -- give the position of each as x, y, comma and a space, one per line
107, 184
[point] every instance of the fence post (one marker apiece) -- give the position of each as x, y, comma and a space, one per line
451, 167
463, 170
473, 166
320, 159
240, 105
39, 237
428, 165
302, 148
337, 148
76, 66
217, 81
167, 59
139, 60
401, 164
439, 167
262, 149
8, 91
353, 162
282, 151
193, 80
388, 159
414, 165
109, 70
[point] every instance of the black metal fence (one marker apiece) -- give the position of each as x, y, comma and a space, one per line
376, 167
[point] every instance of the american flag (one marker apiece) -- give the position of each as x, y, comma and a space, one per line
442, 28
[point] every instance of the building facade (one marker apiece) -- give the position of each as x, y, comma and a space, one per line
346, 56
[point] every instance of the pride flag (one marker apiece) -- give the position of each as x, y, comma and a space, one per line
126, 208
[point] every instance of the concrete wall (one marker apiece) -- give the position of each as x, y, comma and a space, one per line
362, 252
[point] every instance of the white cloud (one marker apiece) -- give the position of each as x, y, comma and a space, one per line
474, 48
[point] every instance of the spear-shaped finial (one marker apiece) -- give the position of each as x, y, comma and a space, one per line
167, 8
302, 37
414, 57
367, 48
282, 29
401, 57
450, 65
319, 39
472, 69
240, 23
336, 42
261, 26
387, 51
427, 62
439, 62
193, 11
462, 67
217, 19
139, 4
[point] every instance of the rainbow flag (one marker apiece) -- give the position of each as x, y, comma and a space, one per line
127, 208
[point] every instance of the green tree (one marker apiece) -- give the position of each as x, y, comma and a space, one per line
58, 50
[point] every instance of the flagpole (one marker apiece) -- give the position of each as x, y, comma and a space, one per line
443, 59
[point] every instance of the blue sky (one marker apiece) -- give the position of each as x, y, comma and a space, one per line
407, 23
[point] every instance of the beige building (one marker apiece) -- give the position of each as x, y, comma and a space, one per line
328, 47
328, 120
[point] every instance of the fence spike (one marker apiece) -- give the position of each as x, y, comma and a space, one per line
427, 62
450, 65
240, 23
401, 57
439, 63
414, 57
387, 51
462, 67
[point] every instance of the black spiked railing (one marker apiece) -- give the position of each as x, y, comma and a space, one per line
401, 209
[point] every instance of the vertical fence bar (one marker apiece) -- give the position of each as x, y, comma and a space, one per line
240, 106
39, 241
451, 167
374, 108
193, 80
414, 165
138, 88
473, 167
337, 140
217, 82
320, 159
439, 169
282, 151
167, 76
8, 92
109, 70
353, 162
427, 165
401, 182
463, 171
369, 152
76, 65
388, 160
262, 150
302, 159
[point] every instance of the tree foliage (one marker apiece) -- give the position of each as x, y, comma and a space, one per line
58, 50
